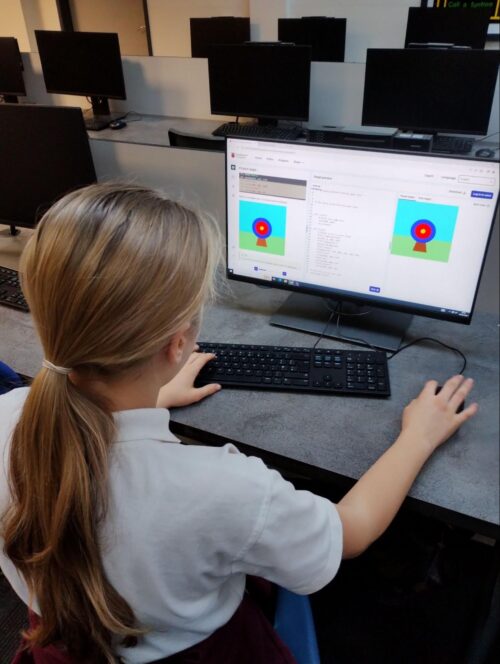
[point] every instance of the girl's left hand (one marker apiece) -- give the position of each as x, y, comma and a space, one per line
180, 391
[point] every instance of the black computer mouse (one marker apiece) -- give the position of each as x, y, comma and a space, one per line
484, 152
117, 124
462, 405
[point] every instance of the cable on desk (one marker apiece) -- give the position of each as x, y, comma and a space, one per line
489, 136
436, 341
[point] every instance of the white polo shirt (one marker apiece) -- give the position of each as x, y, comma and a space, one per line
186, 524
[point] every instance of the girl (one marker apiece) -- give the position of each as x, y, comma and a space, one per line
122, 541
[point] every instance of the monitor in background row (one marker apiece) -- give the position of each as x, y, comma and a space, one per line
397, 233
11, 70
46, 153
217, 30
83, 63
457, 26
325, 35
430, 90
268, 81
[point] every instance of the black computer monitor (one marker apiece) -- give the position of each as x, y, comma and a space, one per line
11, 70
325, 35
268, 81
457, 26
393, 233
217, 30
430, 90
45, 153
83, 63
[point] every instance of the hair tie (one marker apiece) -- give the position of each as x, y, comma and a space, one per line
52, 367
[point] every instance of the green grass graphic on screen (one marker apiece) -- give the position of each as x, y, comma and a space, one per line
424, 230
263, 227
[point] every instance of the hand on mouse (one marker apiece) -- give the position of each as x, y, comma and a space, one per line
432, 417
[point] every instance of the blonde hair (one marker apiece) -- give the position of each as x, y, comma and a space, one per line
111, 274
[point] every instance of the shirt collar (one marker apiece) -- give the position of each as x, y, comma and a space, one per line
144, 424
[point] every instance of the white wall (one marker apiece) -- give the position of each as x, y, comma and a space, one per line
169, 21
12, 23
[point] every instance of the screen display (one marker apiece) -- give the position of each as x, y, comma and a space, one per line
406, 231
462, 27
46, 153
326, 36
217, 30
430, 89
81, 63
11, 75
260, 80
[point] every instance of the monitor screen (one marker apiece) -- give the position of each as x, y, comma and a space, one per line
462, 27
217, 30
430, 90
81, 63
11, 68
400, 231
260, 80
326, 36
46, 153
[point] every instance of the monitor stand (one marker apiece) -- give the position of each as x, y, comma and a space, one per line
99, 116
365, 325
10, 99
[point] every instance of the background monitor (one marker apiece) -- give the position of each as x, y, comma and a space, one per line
325, 35
430, 90
217, 30
462, 27
46, 153
11, 69
389, 230
82, 63
262, 80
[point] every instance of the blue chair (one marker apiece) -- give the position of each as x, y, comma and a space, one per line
8, 379
294, 623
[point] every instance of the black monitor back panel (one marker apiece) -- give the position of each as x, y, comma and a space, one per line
461, 27
44, 153
325, 35
11, 68
81, 63
217, 30
264, 80
430, 90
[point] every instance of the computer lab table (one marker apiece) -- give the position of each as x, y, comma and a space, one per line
335, 439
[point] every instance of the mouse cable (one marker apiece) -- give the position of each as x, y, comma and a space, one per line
489, 136
436, 341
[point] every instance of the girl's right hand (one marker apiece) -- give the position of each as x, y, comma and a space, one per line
432, 417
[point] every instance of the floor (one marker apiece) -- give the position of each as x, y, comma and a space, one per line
413, 598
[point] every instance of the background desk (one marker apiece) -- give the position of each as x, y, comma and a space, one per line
337, 438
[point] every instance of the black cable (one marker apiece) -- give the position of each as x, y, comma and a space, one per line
436, 341
332, 313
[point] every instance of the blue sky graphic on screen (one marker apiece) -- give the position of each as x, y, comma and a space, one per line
434, 223
262, 227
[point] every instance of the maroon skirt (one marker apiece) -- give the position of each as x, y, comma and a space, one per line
247, 638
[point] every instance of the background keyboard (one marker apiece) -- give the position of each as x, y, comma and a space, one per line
452, 144
258, 131
10, 289
284, 368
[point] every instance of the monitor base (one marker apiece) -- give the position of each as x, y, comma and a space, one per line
96, 122
364, 325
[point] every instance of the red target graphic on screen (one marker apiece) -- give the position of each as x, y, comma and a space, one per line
262, 229
422, 231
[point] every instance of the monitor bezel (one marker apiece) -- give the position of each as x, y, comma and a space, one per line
85, 93
366, 300
231, 112
22, 90
421, 128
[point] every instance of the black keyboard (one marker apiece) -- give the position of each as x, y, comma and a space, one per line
258, 131
452, 144
327, 371
10, 289
349, 138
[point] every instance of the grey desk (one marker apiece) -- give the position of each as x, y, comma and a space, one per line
336, 439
